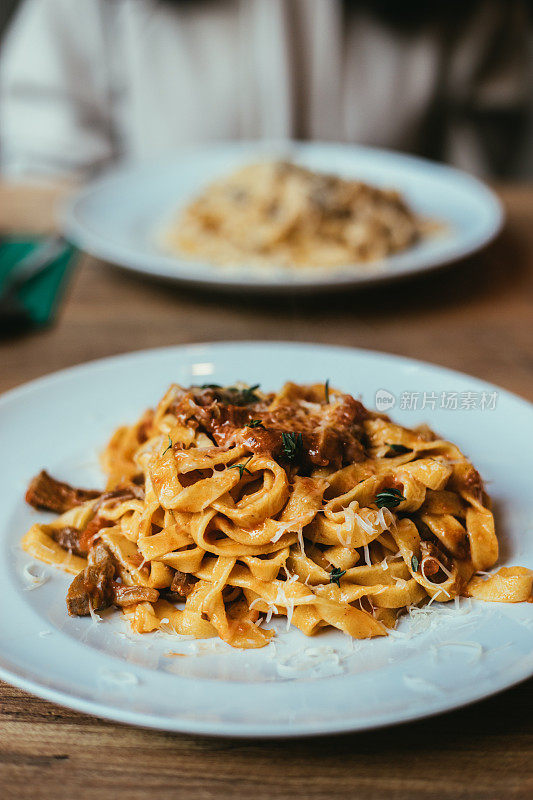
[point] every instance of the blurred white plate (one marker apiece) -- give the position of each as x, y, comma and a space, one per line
300, 685
118, 216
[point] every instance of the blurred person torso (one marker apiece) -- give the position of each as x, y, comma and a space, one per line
88, 82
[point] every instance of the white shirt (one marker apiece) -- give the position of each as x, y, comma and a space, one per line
85, 82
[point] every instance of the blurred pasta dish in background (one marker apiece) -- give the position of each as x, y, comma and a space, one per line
281, 214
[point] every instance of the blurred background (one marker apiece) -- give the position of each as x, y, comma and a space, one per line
87, 82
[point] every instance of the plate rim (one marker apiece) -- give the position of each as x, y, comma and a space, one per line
47, 377
103, 248
250, 730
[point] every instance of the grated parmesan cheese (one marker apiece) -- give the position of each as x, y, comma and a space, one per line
376, 523
94, 616
366, 525
400, 582
477, 646
420, 684
34, 576
271, 610
316, 662
290, 612
119, 678
295, 523
301, 540
424, 618
166, 627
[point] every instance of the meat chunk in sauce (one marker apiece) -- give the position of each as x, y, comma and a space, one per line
48, 494
70, 539
296, 431
182, 583
92, 588
95, 586
80, 541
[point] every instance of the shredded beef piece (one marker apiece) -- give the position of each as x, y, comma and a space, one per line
431, 567
129, 595
172, 597
45, 492
93, 586
431, 556
182, 583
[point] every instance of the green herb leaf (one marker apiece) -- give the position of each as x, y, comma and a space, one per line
389, 498
326, 390
169, 445
414, 563
336, 574
399, 448
233, 394
255, 423
248, 395
242, 467
292, 445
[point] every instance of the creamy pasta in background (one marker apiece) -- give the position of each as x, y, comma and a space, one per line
279, 213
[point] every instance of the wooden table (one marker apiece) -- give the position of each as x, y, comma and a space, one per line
476, 317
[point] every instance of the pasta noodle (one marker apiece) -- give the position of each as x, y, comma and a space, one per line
225, 506
282, 214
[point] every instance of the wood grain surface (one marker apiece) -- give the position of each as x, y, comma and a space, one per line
476, 317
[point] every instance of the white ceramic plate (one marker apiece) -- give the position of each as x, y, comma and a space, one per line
118, 217
300, 686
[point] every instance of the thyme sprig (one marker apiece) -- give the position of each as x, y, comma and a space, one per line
292, 445
242, 467
248, 395
336, 574
233, 394
326, 390
389, 498
170, 445
414, 563
255, 423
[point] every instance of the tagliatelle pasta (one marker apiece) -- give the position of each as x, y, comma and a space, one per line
226, 506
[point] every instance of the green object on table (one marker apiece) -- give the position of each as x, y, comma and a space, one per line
41, 294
